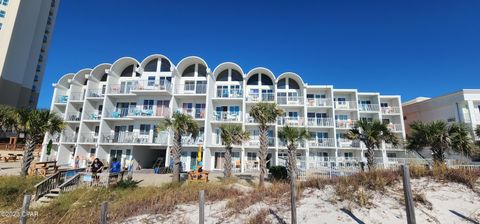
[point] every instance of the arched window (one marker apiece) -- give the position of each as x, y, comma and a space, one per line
266, 81
189, 71
85, 83
165, 66
223, 76
151, 66
292, 84
202, 70
282, 84
127, 72
253, 81
236, 76
104, 78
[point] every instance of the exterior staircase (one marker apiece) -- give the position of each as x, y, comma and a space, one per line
51, 187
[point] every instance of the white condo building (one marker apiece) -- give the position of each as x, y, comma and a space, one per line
462, 107
26, 28
113, 110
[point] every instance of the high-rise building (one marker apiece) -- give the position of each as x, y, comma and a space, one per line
26, 28
460, 107
113, 111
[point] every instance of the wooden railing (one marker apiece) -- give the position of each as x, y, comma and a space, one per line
71, 183
53, 182
19, 147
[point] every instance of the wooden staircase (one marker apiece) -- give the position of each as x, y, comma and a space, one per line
51, 187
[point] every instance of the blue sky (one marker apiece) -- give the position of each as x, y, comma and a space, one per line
411, 48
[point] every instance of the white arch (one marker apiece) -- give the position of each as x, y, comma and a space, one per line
293, 76
64, 80
227, 65
99, 70
80, 75
119, 65
184, 63
261, 70
155, 56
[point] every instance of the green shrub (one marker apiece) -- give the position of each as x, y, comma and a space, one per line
129, 183
278, 172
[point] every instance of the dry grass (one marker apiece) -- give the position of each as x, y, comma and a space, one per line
75, 206
12, 189
422, 199
259, 218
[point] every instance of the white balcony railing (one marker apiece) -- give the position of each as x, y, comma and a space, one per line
319, 102
92, 115
95, 93
264, 97
390, 110
61, 99
231, 94
227, 116
395, 127
320, 122
199, 88
76, 96
197, 113
291, 121
346, 105
322, 142
290, 100
283, 144
74, 116
140, 86
347, 143
118, 113
89, 137
141, 111
135, 138
316, 162
368, 107
255, 141
69, 137
347, 124
189, 141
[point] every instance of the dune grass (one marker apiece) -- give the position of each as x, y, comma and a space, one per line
12, 190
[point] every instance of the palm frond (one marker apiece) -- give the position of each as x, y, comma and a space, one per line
264, 113
233, 135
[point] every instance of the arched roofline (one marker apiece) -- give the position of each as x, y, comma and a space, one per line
98, 71
122, 63
293, 75
263, 70
185, 62
80, 75
64, 80
227, 65
155, 56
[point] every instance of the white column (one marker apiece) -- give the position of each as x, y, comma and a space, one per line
242, 160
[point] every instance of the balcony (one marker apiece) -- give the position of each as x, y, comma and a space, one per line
290, 121
319, 102
62, 99
317, 162
391, 110
76, 96
55, 138
190, 141
88, 137
347, 143
94, 115
95, 93
392, 147
345, 124
229, 94
320, 122
290, 100
74, 116
151, 86
283, 144
134, 138
141, 111
197, 113
368, 107
255, 142
322, 142
118, 113
395, 127
227, 116
199, 88
264, 97
345, 105
69, 137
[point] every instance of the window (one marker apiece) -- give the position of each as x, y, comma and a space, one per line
189, 86
151, 81
235, 110
282, 84
200, 110
202, 70
348, 154
236, 76
384, 104
1, 26
391, 155
292, 84
386, 121
266, 81
165, 66
104, 78
223, 76
4, 2
189, 71
144, 129
127, 72
148, 104
341, 100
235, 90
151, 66
253, 81
222, 91
2, 14
251, 156
342, 117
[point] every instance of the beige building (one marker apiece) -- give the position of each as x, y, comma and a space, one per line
25, 33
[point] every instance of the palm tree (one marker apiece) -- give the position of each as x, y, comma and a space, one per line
440, 137
34, 124
231, 135
372, 134
264, 114
477, 131
7, 119
181, 124
293, 136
